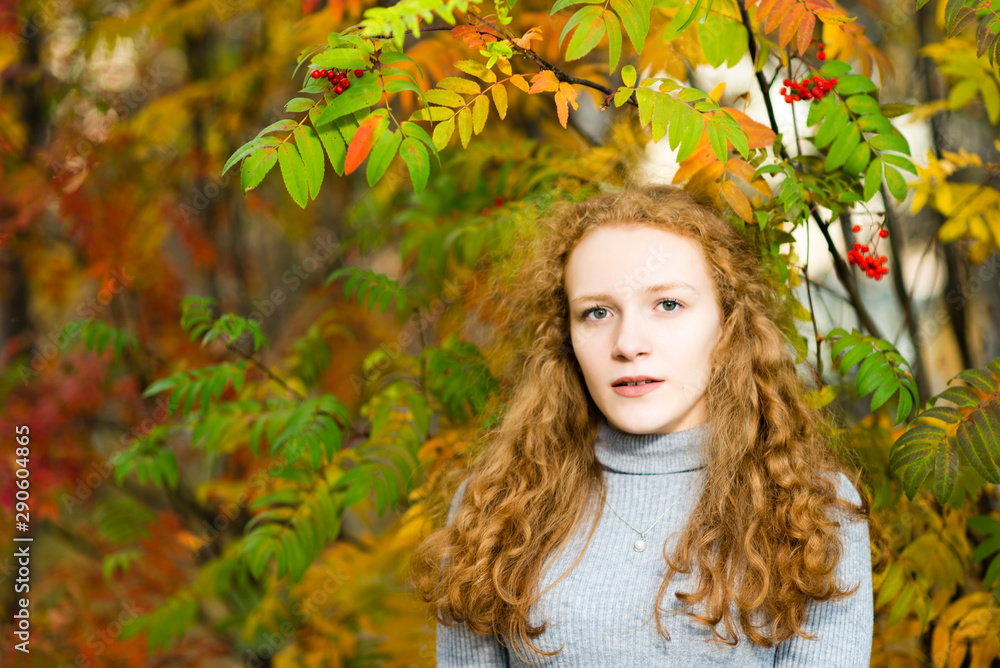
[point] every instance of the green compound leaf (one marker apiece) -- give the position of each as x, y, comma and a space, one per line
256, 166
293, 171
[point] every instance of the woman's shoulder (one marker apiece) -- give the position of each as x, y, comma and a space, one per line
846, 489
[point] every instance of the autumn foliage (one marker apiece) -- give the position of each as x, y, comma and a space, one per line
245, 253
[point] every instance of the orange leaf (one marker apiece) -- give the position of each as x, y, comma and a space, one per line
570, 93
805, 32
764, 9
741, 168
736, 199
760, 185
361, 143
544, 81
790, 23
562, 108
777, 14
758, 135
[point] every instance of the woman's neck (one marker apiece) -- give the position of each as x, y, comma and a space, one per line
650, 454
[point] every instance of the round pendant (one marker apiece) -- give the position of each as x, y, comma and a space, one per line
640, 545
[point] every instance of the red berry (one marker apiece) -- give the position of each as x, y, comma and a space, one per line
821, 56
856, 228
784, 91
882, 259
820, 46
788, 99
315, 74
358, 73
345, 85
486, 211
833, 81
338, 89
498, 200
787, 82
883, 233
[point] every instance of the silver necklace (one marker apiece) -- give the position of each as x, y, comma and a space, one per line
640, 544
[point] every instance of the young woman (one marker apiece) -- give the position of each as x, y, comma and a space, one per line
657, 456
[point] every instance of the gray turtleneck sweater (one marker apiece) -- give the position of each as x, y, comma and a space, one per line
601, 613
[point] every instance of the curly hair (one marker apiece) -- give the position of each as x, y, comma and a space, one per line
761, 535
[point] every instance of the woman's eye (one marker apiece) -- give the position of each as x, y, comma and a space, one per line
596, 309
670, 301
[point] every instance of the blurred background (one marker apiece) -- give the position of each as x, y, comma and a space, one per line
212, 493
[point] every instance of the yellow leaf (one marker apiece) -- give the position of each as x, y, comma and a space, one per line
480, 111
500, 99
460, 85
465, 126
833, 17
736, 199
443, 132
716, 93
519, 81
504, 64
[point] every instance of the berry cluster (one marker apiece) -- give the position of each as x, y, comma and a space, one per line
820, 55
873, 265
808, 89
337, 77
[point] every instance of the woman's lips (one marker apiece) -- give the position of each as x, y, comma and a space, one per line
637, 390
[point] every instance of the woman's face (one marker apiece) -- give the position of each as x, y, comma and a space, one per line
642, 303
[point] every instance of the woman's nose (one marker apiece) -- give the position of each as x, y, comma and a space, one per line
632, 338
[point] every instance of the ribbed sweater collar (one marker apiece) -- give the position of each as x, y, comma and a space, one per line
622, 452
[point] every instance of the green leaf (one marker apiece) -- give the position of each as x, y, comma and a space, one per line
298, 104
249, 147
890, 143
342, 59
256, 166
851, 84
717, 140
311, 152
415, 156
293, 171
896, 183
587, 35
862, 104
842, 148
833, 126
858, 160
873, 178
635, 19
360, 96
835, 68
900, 161
336, 150
628, 75
382, 154
614, 40
681, 20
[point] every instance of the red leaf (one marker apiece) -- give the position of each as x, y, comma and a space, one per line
361, 144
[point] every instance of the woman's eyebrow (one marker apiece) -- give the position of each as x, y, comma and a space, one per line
672, 285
